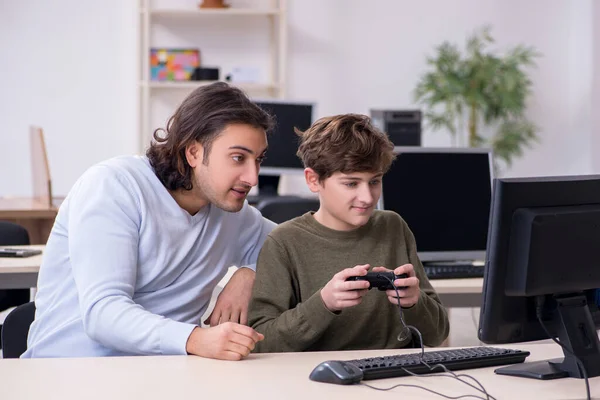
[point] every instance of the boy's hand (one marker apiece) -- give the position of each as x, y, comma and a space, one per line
228, 341
408, 296
339, 294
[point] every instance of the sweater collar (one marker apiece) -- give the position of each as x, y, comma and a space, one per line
325, 232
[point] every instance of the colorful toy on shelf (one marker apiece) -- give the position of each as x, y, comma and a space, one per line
173, 64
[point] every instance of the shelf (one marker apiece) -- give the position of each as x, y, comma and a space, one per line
213, 12
194, 84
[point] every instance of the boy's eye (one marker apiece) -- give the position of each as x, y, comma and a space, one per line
375, 182
350, 184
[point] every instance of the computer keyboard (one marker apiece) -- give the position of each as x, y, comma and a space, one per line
473, 357
453, 270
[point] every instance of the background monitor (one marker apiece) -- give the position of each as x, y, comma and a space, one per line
444, 196
283, 142
544, 265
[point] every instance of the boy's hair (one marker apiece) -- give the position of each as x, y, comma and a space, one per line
201, 117
345, 143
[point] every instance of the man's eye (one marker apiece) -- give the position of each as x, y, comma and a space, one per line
238, 158
261, 159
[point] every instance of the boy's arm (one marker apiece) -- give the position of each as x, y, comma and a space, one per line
274, 308
428, 315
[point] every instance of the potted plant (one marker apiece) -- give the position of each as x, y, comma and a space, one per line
480, 95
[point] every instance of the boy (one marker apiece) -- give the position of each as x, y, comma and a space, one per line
301, 300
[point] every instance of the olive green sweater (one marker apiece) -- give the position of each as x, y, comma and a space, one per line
300, 256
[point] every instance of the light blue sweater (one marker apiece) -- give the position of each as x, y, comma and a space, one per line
127, 271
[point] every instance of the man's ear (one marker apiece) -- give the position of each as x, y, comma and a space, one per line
194, 153
312, 180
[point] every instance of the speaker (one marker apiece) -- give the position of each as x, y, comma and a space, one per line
402, 126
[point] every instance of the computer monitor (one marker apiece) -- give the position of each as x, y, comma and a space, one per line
283, 142
444, 196
543, 262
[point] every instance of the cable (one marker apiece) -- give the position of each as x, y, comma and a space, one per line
448, 374
424, 388
538, 313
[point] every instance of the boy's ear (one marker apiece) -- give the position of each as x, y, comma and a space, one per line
194, 153
312, 180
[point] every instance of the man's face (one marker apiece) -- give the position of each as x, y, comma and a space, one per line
348, 200
232, 168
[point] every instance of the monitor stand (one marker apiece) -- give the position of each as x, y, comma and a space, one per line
577, 332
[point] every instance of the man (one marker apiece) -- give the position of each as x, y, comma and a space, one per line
140, 243
302, 299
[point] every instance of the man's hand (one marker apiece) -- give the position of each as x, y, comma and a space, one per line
409, 296
339, 294
227, 341
232, 303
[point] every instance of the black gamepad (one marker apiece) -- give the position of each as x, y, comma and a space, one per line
379, 280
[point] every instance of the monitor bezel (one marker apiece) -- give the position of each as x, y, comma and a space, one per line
463, 255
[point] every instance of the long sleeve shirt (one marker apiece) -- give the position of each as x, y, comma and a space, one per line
127, 271
298, 259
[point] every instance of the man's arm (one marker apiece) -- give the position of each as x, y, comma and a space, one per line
428, 314
104, 222
232, 302
254, 229
274, 308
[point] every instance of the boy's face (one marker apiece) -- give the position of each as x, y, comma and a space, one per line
347, 200
232, 168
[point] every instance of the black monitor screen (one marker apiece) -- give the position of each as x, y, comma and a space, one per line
443, 195
283, 141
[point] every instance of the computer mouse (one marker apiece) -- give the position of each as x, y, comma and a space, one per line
338, 372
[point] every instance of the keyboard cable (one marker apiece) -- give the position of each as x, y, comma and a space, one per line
447, 373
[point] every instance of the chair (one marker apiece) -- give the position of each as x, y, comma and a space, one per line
16, 329
280, 209
12, 235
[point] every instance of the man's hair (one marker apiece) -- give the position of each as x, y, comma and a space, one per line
345, 143
201, 117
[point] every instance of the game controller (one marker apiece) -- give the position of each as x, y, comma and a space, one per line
380, 280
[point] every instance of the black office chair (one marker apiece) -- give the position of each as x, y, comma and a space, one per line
281, 209
16, 329
12, 235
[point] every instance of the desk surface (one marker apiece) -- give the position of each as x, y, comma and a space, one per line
268, 376
13, 265
25, 207
457, 286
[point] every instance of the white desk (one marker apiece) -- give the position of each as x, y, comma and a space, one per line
459, 292
20, 273
267, 376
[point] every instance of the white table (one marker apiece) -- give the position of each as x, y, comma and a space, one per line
261, 376
20, 273
459, 292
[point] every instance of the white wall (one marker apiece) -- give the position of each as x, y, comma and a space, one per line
70, 66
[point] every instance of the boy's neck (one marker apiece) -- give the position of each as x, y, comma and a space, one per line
329, 221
